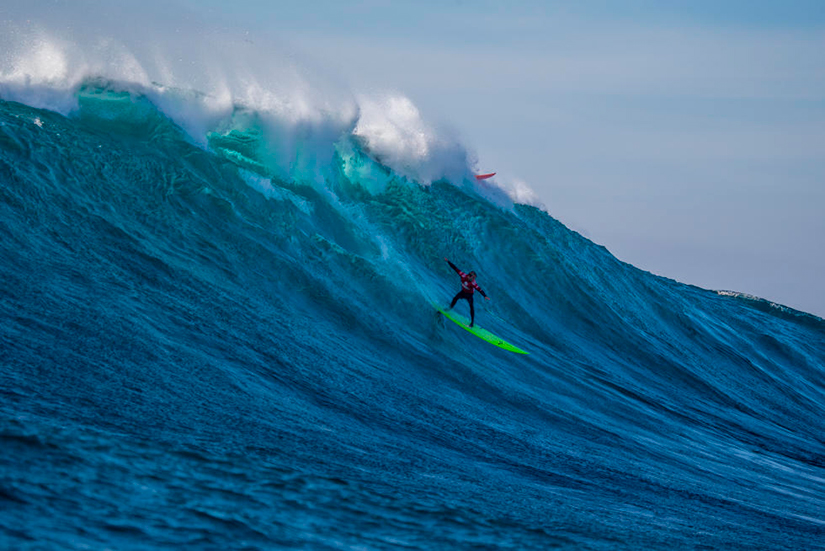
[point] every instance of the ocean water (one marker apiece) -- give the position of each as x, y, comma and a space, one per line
224, 339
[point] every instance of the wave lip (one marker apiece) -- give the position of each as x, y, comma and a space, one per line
223, 88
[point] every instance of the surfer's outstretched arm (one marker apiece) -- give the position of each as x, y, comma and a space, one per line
480, 290
454, 267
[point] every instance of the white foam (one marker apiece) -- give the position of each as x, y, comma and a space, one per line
36, 71
397, 135
519, 191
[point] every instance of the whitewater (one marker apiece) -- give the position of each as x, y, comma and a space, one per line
217, 332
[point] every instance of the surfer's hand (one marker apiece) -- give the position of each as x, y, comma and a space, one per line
486, 298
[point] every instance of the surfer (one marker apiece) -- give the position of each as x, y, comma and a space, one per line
468, 286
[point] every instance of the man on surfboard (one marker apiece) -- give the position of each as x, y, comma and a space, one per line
468, 286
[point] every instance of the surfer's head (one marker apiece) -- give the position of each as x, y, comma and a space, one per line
472, 276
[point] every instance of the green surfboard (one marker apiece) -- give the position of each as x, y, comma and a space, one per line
479, 332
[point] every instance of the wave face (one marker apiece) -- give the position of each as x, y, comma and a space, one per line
221, 342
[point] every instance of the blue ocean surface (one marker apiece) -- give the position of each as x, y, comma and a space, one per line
205, 345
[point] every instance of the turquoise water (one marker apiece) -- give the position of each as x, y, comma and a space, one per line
206, 346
